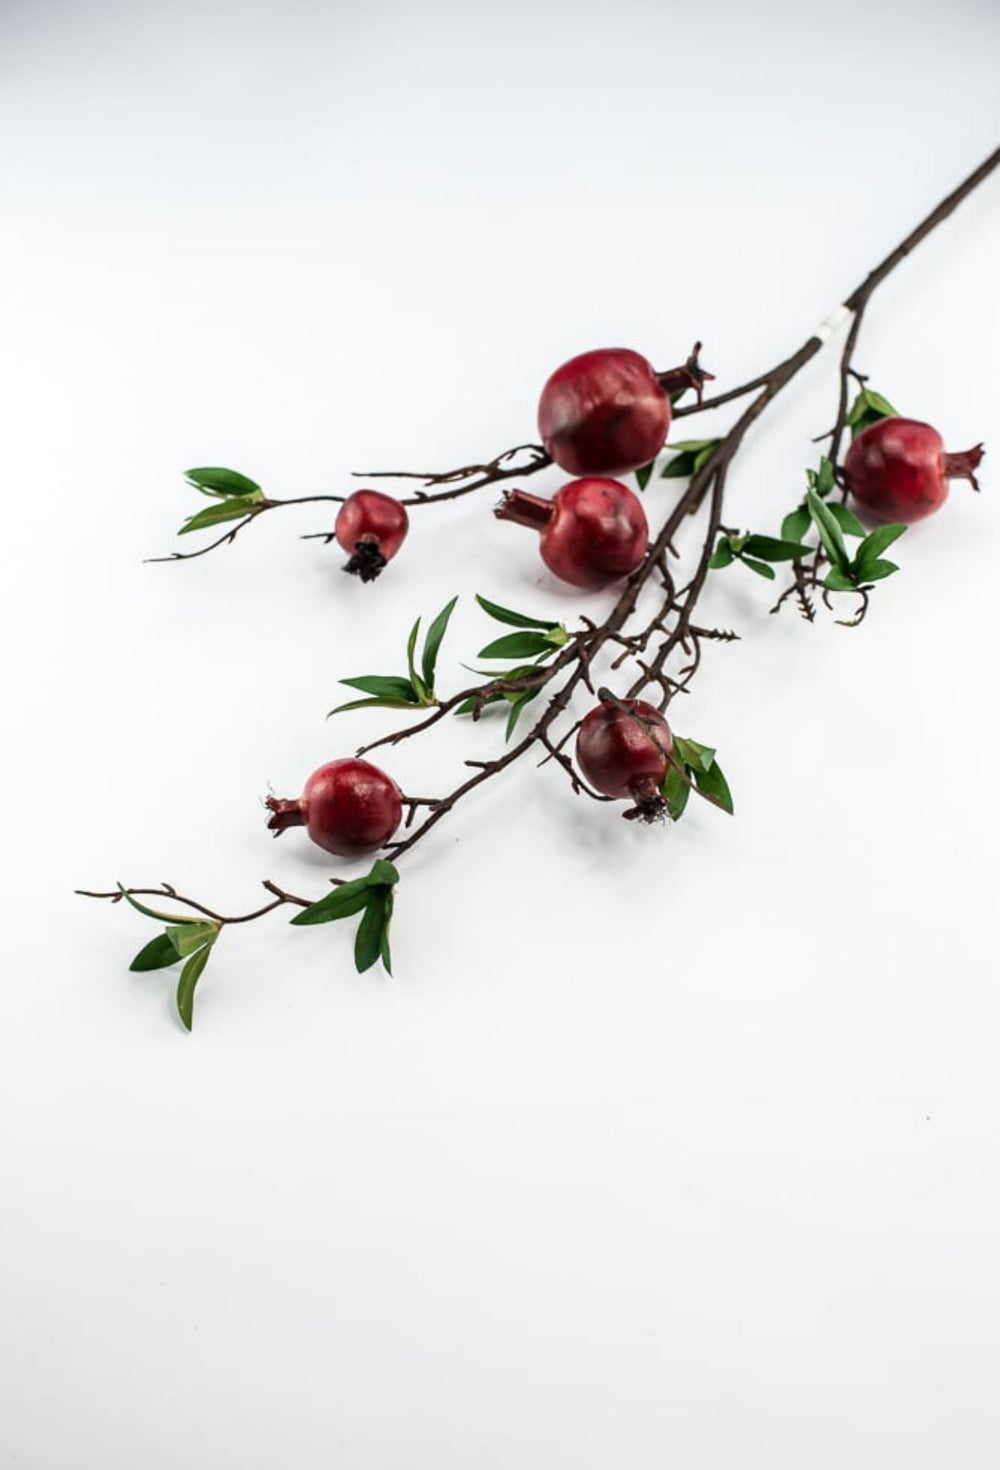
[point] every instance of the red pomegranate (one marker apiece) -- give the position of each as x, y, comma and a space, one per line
348, 807
592, 531
898, 469
623, 748
372, 527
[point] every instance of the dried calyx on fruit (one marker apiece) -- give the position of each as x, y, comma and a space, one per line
348, 807
608, 412
624, 749
898, 469
592, 531
372, 527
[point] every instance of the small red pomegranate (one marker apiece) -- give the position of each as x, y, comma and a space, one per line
623, 748
608, 412
898, 469
372, 527
348, 807
592, 531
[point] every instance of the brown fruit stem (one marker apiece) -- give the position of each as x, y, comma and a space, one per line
963, 466
524, 509
284, 814
691, 375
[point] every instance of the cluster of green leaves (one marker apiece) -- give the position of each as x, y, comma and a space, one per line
867, 409
372, 898
234, 496
410, 691
689, 456
833, 521
694, 764
756, 552
184, 939
537, 640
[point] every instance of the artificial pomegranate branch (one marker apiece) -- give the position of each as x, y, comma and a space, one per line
604, 414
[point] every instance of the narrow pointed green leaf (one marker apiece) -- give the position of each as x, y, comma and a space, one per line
372, 704
517, 645
385, 687
825, 478
411, 645
223, 482
874, 571
514, 619
156, 955
432, 642
678, 468
845, 518
829, 531
875, 403
693, 446
186, 938
215, 515
368, 940
722, 555
385, 952
190, 975
345, 900
760, 567
769, 548
714, 784
704, 455
796, 524
693, 753
878, 541
642, 475
675, 792
517, 705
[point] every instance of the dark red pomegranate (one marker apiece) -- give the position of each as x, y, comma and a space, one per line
348, 807
592, 531
372, 527
608, 412
623, 749
898, 469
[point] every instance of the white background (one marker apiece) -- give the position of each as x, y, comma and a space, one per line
663, 1147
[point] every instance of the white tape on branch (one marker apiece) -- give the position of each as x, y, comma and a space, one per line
833, 323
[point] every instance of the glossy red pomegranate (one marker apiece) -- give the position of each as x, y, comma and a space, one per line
607, 412
592, 531
898, 469
372, 527
348, 807
623, 749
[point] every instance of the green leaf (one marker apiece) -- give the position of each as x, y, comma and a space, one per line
186, 938
156, 955
223, 482
432, 642
874, 571
760, 567
714, 784
829, 531
867, 409
341, 709
516, 708
384, 687
875, 403
348, 898
693, 446
385, 953
825, 479
693, 753
878, 541
675, 792
796, 524
642, 476
344, 901
845, 518
190, 975
371, 931
838, 581
722, 555
215, 515
514, 619
517, 645
678, 468
769, 548
411, 645
705, 454
153, 913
